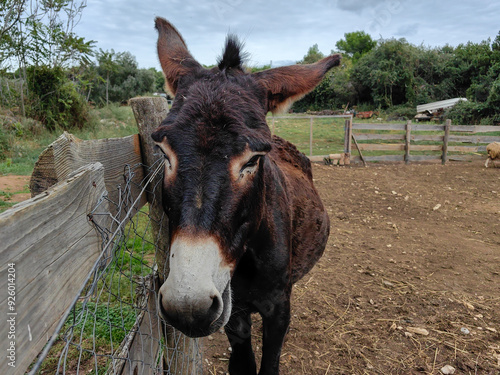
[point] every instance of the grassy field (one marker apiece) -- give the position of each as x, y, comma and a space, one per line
27, 139
328, 133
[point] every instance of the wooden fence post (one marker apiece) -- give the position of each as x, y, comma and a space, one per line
407, 142
446, 137
149, 113
311, 136
347, 140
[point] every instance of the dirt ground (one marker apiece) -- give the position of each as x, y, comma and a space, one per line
11, 188
410, 279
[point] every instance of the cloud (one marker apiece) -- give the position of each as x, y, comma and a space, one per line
406, 31
358, 6
282, 29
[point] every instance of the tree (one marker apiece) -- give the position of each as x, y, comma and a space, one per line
108, 65
39, 39
386, 75
117, 78
313, 55
356, 44
10, 16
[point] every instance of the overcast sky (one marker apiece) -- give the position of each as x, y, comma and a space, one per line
283, 30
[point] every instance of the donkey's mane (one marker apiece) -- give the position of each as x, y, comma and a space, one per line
233, 56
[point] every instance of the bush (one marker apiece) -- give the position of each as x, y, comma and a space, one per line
54, 99
4, 144
401, 112
467, 113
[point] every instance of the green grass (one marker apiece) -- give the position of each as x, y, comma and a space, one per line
328, 133
103, 322
5, 205
95, 328
26, 140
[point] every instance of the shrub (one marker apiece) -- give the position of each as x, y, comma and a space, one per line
54, 99
467, 112
4, 144
401, 112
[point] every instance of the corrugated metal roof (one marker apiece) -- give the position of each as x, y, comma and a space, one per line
438, 105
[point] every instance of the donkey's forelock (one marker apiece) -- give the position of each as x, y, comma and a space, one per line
233, 56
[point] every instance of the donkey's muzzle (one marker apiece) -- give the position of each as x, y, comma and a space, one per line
196, 315
196, 296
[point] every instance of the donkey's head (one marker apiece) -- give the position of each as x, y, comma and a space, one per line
215, 140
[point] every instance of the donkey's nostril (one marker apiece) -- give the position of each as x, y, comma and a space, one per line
217, 306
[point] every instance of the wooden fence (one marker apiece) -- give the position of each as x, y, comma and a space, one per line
50, 246
404, 142
432, 142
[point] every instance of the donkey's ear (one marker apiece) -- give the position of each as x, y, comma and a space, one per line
175, 59
288, 84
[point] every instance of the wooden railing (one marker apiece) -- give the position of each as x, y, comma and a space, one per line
408, 138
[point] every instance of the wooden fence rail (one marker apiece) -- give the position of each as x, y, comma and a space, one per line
52, 246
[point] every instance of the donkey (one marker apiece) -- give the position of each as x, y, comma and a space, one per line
245, 219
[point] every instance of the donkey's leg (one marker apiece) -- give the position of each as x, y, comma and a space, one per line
275, 326
238, 331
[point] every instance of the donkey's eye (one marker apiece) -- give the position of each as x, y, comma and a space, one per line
159, 150
252, 162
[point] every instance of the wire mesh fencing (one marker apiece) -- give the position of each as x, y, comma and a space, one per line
113, 326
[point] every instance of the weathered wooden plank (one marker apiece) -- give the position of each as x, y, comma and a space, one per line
381, 147
146, 343
422, 127
369, 137
446, 139
69, 153
149, 113
469, 149
319, 158
347, 141
385, 158
425, 137
427, 147
407, 142
465, 157
475, 128
360, 126
425, 158
474, 138
54, 246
